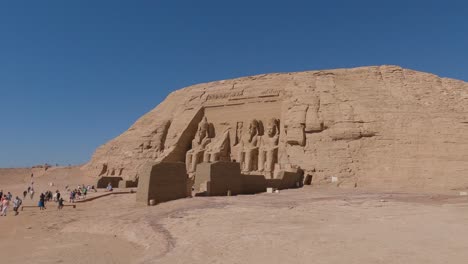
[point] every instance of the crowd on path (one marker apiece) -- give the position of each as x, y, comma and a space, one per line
80, 192
6, 199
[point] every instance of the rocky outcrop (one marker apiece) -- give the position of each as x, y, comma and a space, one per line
382, 126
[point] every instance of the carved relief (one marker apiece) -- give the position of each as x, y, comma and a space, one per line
224, 95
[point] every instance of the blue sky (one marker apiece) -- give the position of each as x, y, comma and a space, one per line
75, 74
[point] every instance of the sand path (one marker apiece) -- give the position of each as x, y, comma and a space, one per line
296, 226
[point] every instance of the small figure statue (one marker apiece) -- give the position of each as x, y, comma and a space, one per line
268, 150
199, 143
249, 148
238, 132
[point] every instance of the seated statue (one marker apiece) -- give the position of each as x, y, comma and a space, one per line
218, 149
268, 150
248, 154
199, 143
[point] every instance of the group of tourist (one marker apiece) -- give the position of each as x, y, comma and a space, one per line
80, 192
49, 196
5, 200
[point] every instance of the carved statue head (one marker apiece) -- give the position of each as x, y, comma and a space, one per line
203, 127
272, 127
253, 128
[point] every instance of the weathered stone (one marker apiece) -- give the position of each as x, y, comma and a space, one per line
380, 127
290, 179
162, 181
216, 179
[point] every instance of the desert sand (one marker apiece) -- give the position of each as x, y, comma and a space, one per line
306, 225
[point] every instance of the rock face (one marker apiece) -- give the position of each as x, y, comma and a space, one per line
383, 127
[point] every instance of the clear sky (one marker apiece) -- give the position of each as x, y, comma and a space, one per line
75, 74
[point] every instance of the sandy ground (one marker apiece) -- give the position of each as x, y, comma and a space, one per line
308, 225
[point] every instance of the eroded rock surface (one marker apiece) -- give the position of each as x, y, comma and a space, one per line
381, 126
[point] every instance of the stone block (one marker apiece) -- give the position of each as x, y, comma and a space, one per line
252, 183
162, 181
290, 179
216, 179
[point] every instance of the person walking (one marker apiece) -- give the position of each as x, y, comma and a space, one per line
16, 204
60, 203
5, 204
42, 202
1, 203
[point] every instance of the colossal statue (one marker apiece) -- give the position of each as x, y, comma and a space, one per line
248, 156
218, 149
236, 148
199, 143
152, 147
268, 149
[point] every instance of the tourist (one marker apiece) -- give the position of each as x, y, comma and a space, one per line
72, 196
57, 195
9, 196
109, 187
16, 204
24, 194
42, 202
5, 204
60, 203
32, 193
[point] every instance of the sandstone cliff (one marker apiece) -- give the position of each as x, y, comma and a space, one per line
382, 126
